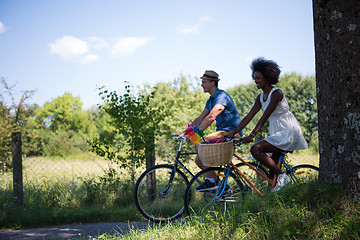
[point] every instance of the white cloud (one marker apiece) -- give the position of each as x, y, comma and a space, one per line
97, 43
192, 28
77, 50
188, 29
204, 19
69, 48
89, 58
127, 45
2, 28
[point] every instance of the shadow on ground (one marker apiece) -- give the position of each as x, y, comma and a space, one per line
80, 231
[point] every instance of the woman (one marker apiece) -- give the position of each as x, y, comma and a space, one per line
285, 131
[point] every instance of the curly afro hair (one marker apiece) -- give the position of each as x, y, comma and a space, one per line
268, 68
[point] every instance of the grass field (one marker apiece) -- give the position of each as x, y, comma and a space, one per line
76, 190
79, 191
66, 191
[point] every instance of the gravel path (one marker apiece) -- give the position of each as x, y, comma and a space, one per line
81, 231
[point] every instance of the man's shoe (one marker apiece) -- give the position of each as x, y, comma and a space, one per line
282, 180
206, 186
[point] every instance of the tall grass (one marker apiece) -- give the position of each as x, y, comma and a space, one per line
60, 191
310, 211
75, 191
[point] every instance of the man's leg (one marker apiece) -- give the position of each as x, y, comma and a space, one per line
199, 163
209, 175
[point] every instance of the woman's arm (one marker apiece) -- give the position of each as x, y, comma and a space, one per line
276, 97
244, 122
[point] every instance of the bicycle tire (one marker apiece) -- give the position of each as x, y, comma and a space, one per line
198, 203
151, 200
259, 182
304, 173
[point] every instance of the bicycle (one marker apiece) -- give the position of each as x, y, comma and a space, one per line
159, 191
234, 181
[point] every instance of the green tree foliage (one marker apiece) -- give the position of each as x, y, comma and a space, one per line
65, 113
183, 100
5, 138
61, 128
15, 115
105, 131
136, 122
300, 93
65, 127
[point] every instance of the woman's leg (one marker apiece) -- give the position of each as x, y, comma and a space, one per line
259, 151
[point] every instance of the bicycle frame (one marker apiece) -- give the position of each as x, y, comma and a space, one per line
272, 182
282, 161
179, 153
244, 177
176, 163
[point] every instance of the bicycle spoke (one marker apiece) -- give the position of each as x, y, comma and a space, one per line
304, 173
199, 203
157, 197
259, 182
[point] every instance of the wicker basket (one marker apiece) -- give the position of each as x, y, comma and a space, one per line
216, 154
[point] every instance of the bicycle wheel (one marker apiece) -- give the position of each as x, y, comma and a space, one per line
159, 193
199, 203
304, 173
259, 182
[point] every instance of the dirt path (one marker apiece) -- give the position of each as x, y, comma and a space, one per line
81, 231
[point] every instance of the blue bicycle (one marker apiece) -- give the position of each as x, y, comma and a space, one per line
236, 181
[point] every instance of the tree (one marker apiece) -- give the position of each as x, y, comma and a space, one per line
65, 113
16, 115
137, 122
65, 127
337, 47
183, 100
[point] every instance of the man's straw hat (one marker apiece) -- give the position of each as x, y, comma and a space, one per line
210, 75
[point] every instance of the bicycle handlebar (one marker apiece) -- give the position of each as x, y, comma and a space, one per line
177, 137
236, 141
183, 137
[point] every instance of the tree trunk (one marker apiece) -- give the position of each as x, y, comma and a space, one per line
150, 150
337, 51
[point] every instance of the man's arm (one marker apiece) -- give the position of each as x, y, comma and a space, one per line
200, 118
210, 118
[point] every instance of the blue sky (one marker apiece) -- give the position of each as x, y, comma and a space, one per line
75, 46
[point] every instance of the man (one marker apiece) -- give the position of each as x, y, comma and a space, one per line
220, 107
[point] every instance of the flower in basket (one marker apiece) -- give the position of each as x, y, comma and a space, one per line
193, 136
199, 132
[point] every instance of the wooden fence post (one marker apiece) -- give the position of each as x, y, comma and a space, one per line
17, 168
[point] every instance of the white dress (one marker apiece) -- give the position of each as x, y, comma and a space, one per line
285, 131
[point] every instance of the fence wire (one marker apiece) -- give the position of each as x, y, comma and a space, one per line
52, 181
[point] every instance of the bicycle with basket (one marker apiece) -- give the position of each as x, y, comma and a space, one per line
234, 181
159, 191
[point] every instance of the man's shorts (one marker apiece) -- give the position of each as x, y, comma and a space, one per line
219, 134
